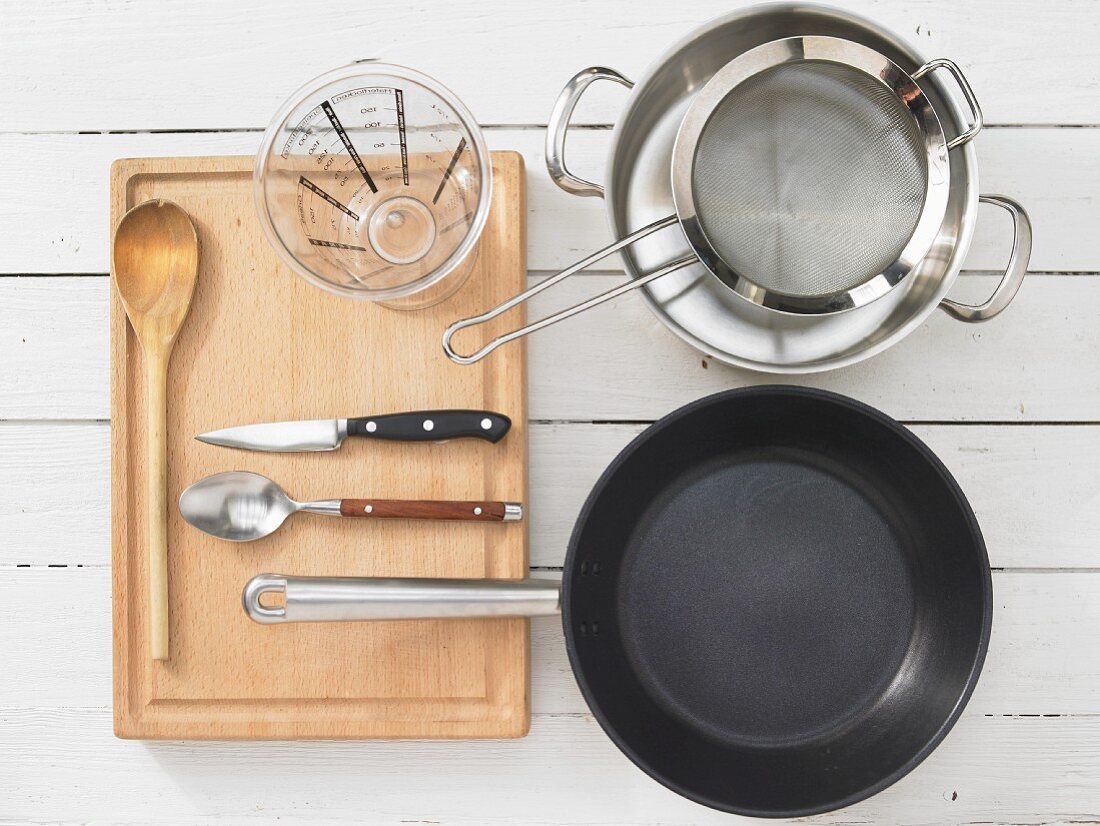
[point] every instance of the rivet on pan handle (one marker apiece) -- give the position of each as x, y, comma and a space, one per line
1015, 271
559, 127
976, 119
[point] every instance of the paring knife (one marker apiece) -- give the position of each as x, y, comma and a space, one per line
329, 434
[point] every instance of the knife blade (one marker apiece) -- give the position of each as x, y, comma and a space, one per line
328, 434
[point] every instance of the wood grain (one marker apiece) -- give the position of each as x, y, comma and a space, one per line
1043, 653
154, 264
989, 770
54, 477
1034, 363
156, 501
423, 509
80, 64
214, 65
1054, 173
259, 346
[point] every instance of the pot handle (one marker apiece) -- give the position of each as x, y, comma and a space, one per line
1014, 272
559, 126
615, 292
340, 599
976, 118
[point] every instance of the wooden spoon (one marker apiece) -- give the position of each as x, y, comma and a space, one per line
155, 263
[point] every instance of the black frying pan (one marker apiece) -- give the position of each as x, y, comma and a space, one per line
776, 601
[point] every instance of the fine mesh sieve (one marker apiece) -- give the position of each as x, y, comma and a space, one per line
809, 174
809, 178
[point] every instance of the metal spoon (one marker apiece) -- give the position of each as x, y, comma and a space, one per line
155, 263
241, 506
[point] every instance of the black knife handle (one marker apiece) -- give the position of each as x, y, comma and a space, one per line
432, 425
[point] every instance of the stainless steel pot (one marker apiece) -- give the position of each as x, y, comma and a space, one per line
697, 306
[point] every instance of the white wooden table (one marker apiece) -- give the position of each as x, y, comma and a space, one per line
1012, 407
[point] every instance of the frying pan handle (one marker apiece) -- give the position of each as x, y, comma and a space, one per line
569, 311
976, 118
1014, 273
559, 126
339, 599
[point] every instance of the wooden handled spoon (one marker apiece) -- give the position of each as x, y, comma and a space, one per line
155, 263
242, 506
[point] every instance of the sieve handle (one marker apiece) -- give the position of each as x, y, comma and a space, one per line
559, 127
569, 311
976, 118
1014, 273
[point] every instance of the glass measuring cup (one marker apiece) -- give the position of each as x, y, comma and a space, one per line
373, 181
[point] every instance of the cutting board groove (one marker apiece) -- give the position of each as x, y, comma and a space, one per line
261, 345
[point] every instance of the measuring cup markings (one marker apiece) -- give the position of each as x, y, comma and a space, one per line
399, 101
339, 127
391, 181
450, 169
316, 190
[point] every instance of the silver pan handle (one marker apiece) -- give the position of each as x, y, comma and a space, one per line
340, 599
559, 127
1014, 273
976, 118
569, 311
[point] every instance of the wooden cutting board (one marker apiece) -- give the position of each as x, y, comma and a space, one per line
261, 344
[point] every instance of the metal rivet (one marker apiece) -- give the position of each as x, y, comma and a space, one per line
477, 511
486, 424
429, 424
371, 427
368, 509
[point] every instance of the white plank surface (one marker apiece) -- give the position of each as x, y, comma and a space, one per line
52, 510
1054, 173
1012, 407
565, 772
1035, 363
217, 65
1042, 620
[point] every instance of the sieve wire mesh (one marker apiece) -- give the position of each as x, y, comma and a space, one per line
809, 178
